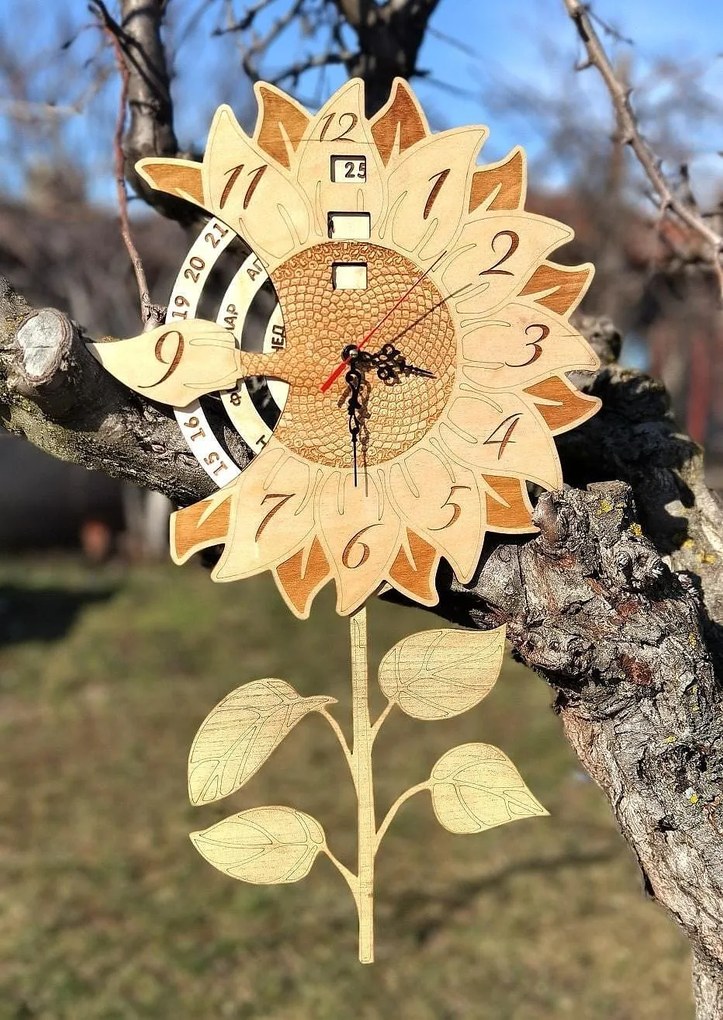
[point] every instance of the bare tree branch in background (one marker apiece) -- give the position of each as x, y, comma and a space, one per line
668, 198
388, 39
120, 180
150, 130
259, 43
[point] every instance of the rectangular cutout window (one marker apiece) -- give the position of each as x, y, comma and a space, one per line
350, 226
349, 169
349, 275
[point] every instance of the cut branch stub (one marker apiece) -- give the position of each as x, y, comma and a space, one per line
240, 733
45, 364
264, 846
54, 393
438, 674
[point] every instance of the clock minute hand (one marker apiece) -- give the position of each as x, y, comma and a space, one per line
365, 340
355, 382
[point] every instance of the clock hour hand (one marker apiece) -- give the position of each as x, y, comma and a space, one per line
354, 379
391, 365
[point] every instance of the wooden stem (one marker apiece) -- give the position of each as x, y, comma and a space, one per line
401, 799
364, 783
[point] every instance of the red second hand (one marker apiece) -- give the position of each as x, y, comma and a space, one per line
365, 340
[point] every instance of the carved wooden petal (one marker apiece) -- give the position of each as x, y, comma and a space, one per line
509, 510
174, 364
443, 504
181, 177
302, 576
521, 343
202, 525
495, 253
400, 124
360, 535
428, 191
271, 515
255, 197
560, 288
281, 123
414, 570
340, 129
501, 433
561, 405
500, 185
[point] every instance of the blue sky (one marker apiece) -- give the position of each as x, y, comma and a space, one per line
477, 51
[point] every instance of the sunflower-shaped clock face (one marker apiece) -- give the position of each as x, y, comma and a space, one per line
401, 385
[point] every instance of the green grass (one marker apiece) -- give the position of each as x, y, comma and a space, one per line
107, 911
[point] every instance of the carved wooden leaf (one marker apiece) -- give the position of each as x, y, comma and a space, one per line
437, 674
240, 733
476, 787
266, 845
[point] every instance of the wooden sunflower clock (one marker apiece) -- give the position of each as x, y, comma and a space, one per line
378, 316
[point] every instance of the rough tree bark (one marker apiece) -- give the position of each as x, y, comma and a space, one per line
617, 602
389, 38
150, 130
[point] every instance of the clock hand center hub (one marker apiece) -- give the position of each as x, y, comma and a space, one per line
390, 364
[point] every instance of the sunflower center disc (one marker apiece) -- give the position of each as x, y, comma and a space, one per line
320, 321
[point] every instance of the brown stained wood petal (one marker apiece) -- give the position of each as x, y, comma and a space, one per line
281, 123
183, 181
560, 288
501, 186
400, 124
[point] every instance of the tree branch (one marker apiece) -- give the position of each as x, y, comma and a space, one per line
246, 21
629, 134
390, 36
262, 42
294, 72
121, 191
56, 395
150, 125
617, 603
